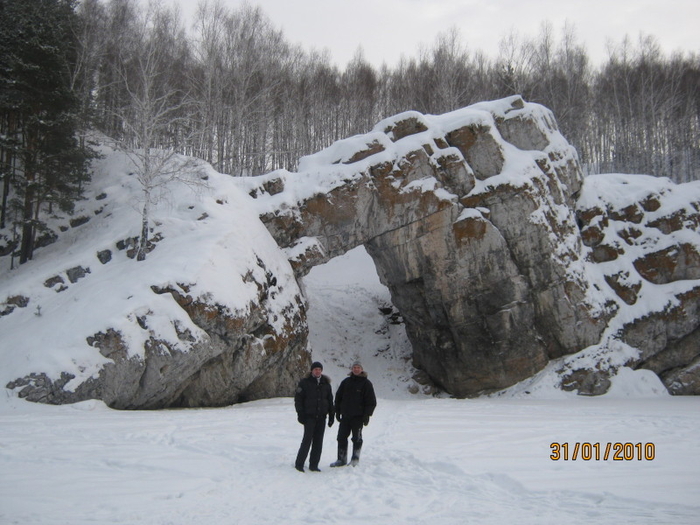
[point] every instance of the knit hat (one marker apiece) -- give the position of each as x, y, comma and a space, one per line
316, 364
357, 363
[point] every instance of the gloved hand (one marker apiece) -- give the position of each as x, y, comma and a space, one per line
331, 420
366, 420
338, 417
300, 419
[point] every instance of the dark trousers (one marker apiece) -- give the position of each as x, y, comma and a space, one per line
350, 425
314, 429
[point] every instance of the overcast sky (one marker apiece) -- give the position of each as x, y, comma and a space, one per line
388, 29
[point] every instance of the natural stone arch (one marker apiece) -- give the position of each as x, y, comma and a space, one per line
483, 286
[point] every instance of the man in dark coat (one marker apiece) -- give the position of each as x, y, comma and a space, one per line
354, 405
313, 401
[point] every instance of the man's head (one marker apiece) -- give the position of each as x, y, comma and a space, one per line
316, 369
356, 368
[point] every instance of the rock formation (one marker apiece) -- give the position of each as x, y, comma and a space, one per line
497, 252
642, 233
470, 218
212, 317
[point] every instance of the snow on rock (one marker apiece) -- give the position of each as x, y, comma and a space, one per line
642, 242
492, 246
469, 218
212, 316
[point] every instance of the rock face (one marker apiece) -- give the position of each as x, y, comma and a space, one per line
241, 358
474, 222
642, 235
470, 220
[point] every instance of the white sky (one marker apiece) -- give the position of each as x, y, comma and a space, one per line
387, 29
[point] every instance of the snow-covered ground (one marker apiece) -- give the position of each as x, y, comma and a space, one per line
426, 459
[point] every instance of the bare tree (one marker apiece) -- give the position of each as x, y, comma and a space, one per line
261, 104
514, 65
153, 118
450, 75
359, 90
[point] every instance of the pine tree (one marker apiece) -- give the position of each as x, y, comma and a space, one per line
43, 164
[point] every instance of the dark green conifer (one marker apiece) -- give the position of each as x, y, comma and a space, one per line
42, 161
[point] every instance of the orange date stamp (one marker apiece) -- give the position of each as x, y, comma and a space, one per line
618, 451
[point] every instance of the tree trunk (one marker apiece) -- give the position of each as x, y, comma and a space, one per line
28, 230
143, 240
6, 160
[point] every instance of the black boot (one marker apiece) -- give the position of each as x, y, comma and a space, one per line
342, 457
355, 455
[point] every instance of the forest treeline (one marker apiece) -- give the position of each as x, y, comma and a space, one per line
229, 88
250, 102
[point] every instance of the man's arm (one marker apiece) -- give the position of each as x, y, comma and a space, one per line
339, 400
299, 397
370, 399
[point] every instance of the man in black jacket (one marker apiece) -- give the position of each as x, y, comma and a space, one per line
354, 405
313, 401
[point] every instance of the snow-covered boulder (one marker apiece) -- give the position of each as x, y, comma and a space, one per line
213, 315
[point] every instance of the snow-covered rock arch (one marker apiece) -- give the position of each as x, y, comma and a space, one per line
469, 217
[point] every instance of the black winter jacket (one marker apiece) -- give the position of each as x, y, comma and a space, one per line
355, 396
314, 397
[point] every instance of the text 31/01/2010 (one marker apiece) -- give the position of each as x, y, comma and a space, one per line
602, 451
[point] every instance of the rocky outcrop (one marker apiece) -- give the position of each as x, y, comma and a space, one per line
642, 236
470, 220
477, 224
235, 358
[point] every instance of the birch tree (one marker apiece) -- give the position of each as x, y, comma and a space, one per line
153, 119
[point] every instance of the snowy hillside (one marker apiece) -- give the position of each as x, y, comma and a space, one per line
172, 330
87, 283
